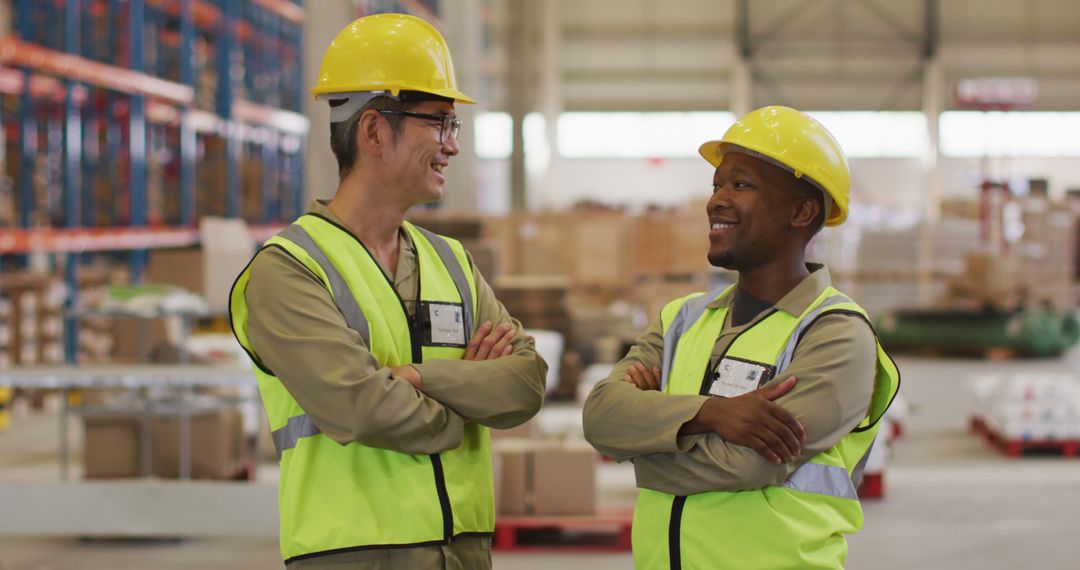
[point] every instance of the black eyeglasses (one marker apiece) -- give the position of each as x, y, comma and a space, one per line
447, 123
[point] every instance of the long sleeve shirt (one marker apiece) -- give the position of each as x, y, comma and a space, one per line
835, 364
298, 333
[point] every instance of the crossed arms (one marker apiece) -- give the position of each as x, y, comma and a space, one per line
300, 335
687, 444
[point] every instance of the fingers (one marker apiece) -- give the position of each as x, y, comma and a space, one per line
474, 343
789, 421
643, 377
759, 445
485, 350
782, 444
774, 392
500, 347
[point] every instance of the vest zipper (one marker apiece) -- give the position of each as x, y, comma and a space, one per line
417, 358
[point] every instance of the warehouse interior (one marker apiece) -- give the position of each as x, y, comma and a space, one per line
151, 146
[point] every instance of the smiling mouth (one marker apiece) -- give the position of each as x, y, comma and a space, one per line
438, 167
721, 226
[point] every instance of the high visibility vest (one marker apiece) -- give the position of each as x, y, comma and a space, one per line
800, 524
334, 497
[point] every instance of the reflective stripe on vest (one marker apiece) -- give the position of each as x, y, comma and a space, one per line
286, 436
688, 314
457, 274
793, 341
343, 296
822, 479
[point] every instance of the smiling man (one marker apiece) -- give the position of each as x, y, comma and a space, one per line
749, 411
382, 354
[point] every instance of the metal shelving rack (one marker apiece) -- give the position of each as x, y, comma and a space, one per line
134, 118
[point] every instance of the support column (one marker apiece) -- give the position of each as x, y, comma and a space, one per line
463, 35
741, 86
550, 98
518, 76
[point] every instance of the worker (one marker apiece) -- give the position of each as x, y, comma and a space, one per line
382, 354
748, 411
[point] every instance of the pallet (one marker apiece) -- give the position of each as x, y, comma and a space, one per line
1017, 447
606, 531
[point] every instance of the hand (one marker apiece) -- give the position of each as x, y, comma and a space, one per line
754, 421
410, 374
490, 342
643, 377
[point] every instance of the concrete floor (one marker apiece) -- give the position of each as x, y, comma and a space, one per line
951, 501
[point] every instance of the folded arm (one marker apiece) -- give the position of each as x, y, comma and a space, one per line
835, 365
500, 389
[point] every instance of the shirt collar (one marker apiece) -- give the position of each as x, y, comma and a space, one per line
797, 300
322, 208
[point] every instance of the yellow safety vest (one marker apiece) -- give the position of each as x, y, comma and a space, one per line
800, 524
334, 497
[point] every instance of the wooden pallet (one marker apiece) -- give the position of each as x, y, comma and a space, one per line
606, 531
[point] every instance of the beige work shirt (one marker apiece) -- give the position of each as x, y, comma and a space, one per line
835, 364
298, 333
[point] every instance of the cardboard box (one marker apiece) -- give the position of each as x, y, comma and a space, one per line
211, 269
544, 478
113, 443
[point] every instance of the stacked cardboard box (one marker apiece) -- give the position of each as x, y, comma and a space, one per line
538, 302
1048, 253
114, 442
544, 478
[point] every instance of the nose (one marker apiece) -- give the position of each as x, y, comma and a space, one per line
451, 147
719, 199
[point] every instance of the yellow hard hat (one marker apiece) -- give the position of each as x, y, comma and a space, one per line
796, 142
389, 52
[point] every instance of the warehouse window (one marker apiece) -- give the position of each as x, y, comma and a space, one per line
862, 134
638, 135
495, 140
996, 133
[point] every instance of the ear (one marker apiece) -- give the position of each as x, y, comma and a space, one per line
804, 213
371, 138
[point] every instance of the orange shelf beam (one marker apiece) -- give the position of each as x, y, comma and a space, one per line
288, 121
284, 8
74, 240
18, 53
95, 239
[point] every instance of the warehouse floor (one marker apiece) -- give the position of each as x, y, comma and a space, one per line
951, 502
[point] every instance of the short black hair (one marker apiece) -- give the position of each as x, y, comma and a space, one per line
343, 134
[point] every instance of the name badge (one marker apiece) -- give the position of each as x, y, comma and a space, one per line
734, 377
443, 324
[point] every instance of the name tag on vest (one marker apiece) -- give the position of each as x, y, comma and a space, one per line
442, 324
734, 377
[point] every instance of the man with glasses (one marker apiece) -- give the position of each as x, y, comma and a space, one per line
382, 354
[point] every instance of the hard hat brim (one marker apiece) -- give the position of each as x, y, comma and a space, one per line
454, 94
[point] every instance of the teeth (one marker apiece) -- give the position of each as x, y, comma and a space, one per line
720, 226
438, 168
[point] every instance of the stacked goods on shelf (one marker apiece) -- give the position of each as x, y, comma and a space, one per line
32, 320
539, 302
911, 268
1028, 411
1047, 252
469, 230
